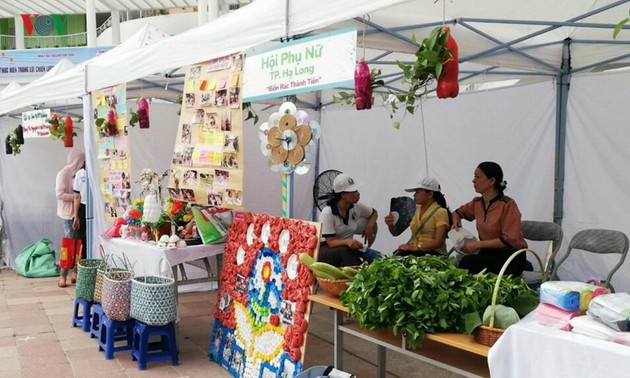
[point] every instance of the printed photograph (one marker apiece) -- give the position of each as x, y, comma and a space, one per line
186, 133
220, 97
230, 143
206, 180
189, 195
230, 160
198, 116
195, 72
221, 177
226, 121
235, 100
215, 199
190, 100
212, 120
206, 99
237, 63
234, 197
190, 177
176, 194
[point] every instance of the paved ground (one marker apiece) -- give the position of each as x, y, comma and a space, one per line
36, 339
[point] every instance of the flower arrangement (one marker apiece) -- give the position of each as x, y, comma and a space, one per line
177, 211
133, 216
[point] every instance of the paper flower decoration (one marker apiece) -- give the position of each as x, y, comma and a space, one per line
287, 138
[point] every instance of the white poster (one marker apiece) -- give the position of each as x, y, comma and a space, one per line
304, 65
34, 123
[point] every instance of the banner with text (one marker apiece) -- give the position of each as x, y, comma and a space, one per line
310, 64
34, 123
36, 62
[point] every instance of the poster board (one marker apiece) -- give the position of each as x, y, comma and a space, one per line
262, 309
34, 123
207, 163
114, 161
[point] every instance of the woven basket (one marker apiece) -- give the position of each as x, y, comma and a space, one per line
333, 287
488, 335
153, 300
86, 278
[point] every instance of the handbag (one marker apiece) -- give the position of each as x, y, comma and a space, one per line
153, 299
70, 253
416, 232
37, 260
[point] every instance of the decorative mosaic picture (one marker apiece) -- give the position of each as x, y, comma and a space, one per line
262, 308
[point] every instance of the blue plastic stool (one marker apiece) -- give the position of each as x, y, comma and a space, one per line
97, 316
84, 319
112, 331
165, 349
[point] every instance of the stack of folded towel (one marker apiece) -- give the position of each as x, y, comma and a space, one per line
560, 301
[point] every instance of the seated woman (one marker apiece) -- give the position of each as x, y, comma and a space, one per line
340, 220
498, 224
430, 221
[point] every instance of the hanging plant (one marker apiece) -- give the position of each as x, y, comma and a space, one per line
19, 134
11, 144
346, 98
107, 126
180, 100
142, 115
61, 128
430, 59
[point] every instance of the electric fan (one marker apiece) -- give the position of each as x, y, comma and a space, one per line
323, 187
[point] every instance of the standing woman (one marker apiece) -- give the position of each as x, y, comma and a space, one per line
65, 198
340, 221
430, 221
498, 224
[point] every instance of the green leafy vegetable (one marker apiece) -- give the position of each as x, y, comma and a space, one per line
419, 295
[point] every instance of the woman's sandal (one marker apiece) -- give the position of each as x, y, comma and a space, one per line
61, 283
73, 279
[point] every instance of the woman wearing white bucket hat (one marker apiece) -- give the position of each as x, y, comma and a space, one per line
430, 221
341, 220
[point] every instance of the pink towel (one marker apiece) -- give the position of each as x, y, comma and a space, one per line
555, 317
599, 291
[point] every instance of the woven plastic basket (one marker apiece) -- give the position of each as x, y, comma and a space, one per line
333, 287
488, 335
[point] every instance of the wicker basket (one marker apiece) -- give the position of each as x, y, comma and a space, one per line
333, 287
488, 335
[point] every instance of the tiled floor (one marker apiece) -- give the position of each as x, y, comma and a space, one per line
36, 339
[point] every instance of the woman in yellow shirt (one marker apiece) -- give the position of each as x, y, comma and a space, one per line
430, 221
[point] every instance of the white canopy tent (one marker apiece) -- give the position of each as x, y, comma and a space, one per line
502, 40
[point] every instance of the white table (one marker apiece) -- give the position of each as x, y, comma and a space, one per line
145, 258
528, 349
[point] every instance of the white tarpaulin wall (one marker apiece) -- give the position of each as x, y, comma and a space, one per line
597, 183
514, 127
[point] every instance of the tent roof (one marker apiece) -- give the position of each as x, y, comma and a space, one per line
497, 40
11, 8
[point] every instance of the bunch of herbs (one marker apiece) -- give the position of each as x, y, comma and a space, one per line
419, 295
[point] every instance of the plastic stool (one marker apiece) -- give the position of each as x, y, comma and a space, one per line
84, 319
112, 331
97, 316
165, 349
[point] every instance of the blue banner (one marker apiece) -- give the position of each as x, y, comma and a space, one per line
36, 62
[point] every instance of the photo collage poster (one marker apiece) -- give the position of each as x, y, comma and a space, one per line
207, 163
112, 146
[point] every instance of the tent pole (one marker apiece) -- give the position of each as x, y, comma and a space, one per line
316, 152
562, 97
